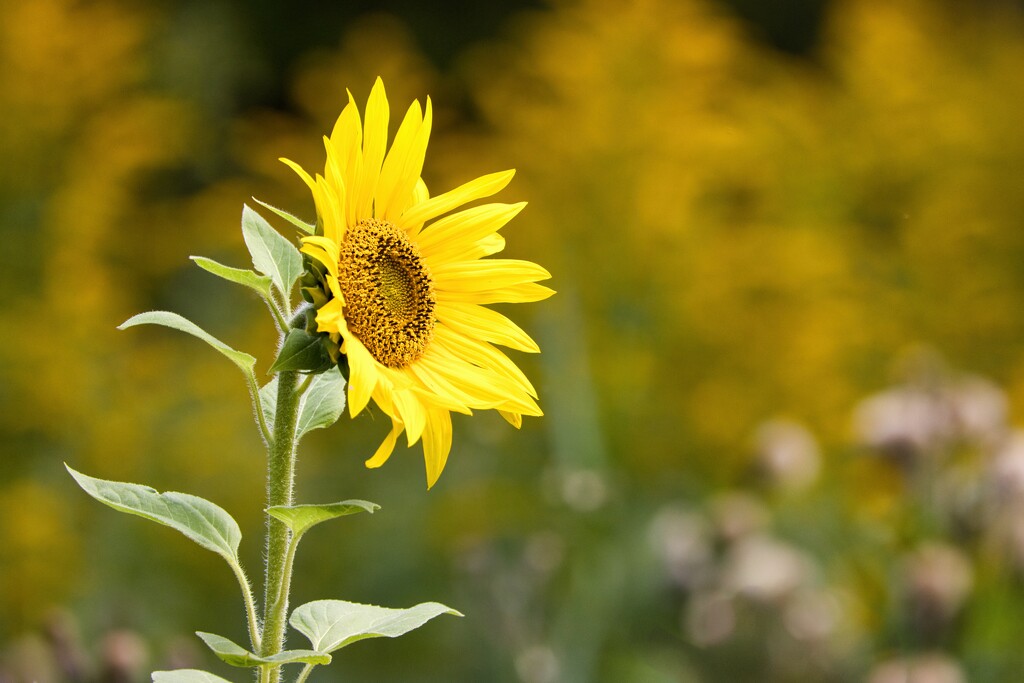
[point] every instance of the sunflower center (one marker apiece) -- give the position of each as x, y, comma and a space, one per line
389, 295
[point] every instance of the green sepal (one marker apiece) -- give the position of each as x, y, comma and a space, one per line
302, 351
272, 254
204, 522
319, 406
244, 361
301, 518
236, 655
186, 676
333, 624
291, 218
247, 278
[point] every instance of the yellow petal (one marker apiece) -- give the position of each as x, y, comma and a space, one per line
514, 419
386, 448
412, 413
466, 227
516, 294
394, 163
362, 374
403, 195
485, 275
483, 323
437, 443
484, 355
301, 173
484, 186
375, 141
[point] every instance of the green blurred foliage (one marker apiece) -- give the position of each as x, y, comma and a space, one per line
746, 242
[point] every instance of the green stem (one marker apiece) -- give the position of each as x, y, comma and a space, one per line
250, 605
305, 673
281, 599
280, 485
257, 406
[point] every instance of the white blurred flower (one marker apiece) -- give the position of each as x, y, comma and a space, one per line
709, 618
537, 664
812, 615
981, 409
682, 540
1006, 469
928, 668
766, 569
904, 422
939, 579
787, 454
736, 515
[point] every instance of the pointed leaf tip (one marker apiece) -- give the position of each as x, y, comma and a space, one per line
234, 654
272, 254
301, 518
186, 676
243, 360
201, 521
333, 624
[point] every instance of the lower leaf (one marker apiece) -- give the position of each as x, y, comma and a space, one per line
236, 655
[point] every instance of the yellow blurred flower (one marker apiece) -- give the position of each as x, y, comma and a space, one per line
404, 299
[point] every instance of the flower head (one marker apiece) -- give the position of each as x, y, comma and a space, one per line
402, 283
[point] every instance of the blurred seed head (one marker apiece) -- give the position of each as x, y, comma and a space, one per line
544, 552
736, 515
1006, 470
938, 580
682, 540
787, 454
125, 656
537, 664
765, 569
931, 411
980, 407
709, 618
904, 423
584, 490
927, 668
812, 615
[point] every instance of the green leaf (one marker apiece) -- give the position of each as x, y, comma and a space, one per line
301, 351
322, 403
254, 281
199, 519
236, 655
186, 676
297, 222
333, 624
272, 254
268, 401
243, 360
320, 406
300, 518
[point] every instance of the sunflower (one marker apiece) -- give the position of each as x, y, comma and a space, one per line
403, 283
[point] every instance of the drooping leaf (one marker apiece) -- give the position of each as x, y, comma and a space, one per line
243, 360
272, 254
200, 520
333, 624
323, 402
236, 655
186, 676
300, 518
301, 351
268, 401
247, 278
320, 406
297, 222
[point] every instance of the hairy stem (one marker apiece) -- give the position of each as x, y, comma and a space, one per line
280, 485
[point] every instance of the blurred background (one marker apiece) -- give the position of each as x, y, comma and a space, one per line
783, 376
